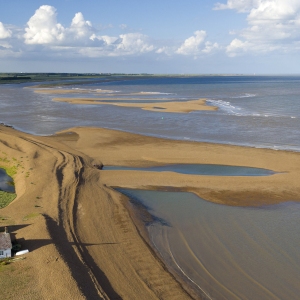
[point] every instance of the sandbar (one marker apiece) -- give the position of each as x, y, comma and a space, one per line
165, 106
170, 106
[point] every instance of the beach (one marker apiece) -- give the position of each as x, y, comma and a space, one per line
87, 241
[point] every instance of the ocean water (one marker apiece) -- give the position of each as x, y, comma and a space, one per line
227, 252
258, 111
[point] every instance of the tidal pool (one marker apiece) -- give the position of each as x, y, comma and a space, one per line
201, 169
6, 182
226, 252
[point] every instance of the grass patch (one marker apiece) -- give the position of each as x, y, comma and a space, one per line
6, 198
30, 216
10, 170
18, 281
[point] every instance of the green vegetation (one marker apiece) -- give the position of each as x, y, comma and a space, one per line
37, 77
16, 278
5, 221
79, 77
30, 216
11, 167
6, 198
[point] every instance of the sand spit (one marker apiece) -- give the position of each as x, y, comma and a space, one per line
82, 239
170, 106
126, 149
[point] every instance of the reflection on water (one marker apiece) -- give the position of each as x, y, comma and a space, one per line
6, 182
229, 252
201, 169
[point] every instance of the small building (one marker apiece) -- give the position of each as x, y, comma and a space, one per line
5, 244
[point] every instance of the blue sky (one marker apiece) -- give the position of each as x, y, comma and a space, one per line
190, 37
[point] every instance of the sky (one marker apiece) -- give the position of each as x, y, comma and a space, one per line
157, 36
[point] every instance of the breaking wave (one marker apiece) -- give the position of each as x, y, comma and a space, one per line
155, 93
244, 96
238, 111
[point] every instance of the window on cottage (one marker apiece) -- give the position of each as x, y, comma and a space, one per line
1, 252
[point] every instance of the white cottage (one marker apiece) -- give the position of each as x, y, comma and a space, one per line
5, 244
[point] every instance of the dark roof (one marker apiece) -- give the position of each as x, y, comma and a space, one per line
5, 241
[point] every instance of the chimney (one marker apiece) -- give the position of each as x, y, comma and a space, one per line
5, 229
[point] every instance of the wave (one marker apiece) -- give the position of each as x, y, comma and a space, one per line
225, 105
244, 96
238, 111
155, 93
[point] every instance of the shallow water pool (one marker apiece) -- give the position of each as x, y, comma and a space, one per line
227, 252
6, 182
201, 169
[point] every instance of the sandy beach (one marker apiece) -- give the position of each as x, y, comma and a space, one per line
85, 239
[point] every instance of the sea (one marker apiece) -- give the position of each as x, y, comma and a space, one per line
223, 252
255, 111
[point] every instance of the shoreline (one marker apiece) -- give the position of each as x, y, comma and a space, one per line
78, 222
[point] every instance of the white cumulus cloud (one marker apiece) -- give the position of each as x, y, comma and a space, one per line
42, 27
80, 37
124, 44
4, 32
195, 45
237, 46
134, 42
80, 28
272, 25
239, 5
191, 45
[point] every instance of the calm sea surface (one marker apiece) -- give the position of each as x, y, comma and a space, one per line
259, 111
228, 252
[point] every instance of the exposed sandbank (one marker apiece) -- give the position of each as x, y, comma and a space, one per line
157, 105
170, 106
121, 148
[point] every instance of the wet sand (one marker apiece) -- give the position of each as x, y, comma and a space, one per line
85, 239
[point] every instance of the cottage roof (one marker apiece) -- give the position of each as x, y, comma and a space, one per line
5, 241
